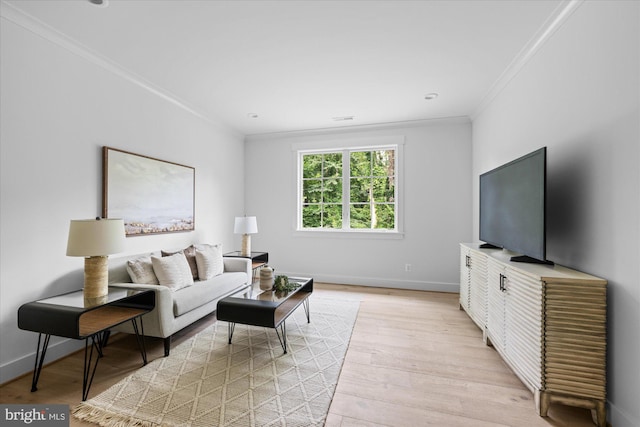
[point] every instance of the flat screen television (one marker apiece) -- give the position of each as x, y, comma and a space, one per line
513, 207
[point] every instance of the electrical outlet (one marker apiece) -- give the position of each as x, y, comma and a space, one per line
407, 267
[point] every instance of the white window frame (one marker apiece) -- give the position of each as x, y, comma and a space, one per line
346, 147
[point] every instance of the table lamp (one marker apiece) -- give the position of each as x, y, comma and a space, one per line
95, 239
246, 225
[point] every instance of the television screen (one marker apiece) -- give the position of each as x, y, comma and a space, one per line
512, 206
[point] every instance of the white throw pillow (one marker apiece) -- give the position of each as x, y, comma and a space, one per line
190, 253
172, 271
209, 261
141, 271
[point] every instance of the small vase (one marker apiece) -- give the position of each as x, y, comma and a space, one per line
266, 278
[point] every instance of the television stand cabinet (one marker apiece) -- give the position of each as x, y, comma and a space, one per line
547, 322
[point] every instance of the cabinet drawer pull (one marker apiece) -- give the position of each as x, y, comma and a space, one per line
503, 287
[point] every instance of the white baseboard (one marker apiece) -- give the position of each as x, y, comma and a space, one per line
618, 418
415, 285
25, 364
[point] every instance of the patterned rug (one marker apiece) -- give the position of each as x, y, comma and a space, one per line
207, 382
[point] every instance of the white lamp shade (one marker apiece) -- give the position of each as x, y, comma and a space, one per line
245, 225
95, 237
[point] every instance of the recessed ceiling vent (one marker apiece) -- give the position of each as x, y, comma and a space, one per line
342, 118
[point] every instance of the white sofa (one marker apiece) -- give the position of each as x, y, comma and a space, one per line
176, 309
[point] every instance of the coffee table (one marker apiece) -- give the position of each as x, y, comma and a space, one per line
269, 309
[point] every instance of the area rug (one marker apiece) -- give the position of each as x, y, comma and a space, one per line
206, 382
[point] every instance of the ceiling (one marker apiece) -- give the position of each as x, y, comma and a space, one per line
299, 64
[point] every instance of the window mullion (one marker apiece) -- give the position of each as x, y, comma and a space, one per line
322, 183
371, 202
346, 190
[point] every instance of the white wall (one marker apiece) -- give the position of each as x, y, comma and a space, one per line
57, 110
579, 97
437, 208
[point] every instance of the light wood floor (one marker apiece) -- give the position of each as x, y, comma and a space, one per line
414, 360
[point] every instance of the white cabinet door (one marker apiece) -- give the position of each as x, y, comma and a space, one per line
465, 277
523, 325
496, 304
478, 289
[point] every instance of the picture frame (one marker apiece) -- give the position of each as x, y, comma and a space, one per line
152, 196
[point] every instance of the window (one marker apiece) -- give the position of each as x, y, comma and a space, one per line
348, 189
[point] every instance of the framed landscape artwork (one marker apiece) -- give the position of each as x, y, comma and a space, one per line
152, 196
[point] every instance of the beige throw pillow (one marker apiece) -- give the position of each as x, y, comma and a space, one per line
141, 271
190, 253
209, 261
173, 271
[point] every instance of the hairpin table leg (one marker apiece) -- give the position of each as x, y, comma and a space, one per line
37, 368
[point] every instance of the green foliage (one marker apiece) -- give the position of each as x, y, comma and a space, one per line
371, 190
360, 216
282, 284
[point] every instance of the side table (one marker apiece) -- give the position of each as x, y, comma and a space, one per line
258, 260
70, 316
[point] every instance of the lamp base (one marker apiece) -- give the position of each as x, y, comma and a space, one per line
94, 302
246, 245
96, 277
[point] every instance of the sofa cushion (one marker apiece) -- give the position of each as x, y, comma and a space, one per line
172, 271
209, 261
141, 271
190, 253
191, 297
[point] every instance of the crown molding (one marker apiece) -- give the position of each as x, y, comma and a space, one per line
554, 22
355, 128
30, 23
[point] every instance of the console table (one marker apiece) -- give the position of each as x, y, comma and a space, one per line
71, 316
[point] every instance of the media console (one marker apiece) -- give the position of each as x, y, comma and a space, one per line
547, 322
